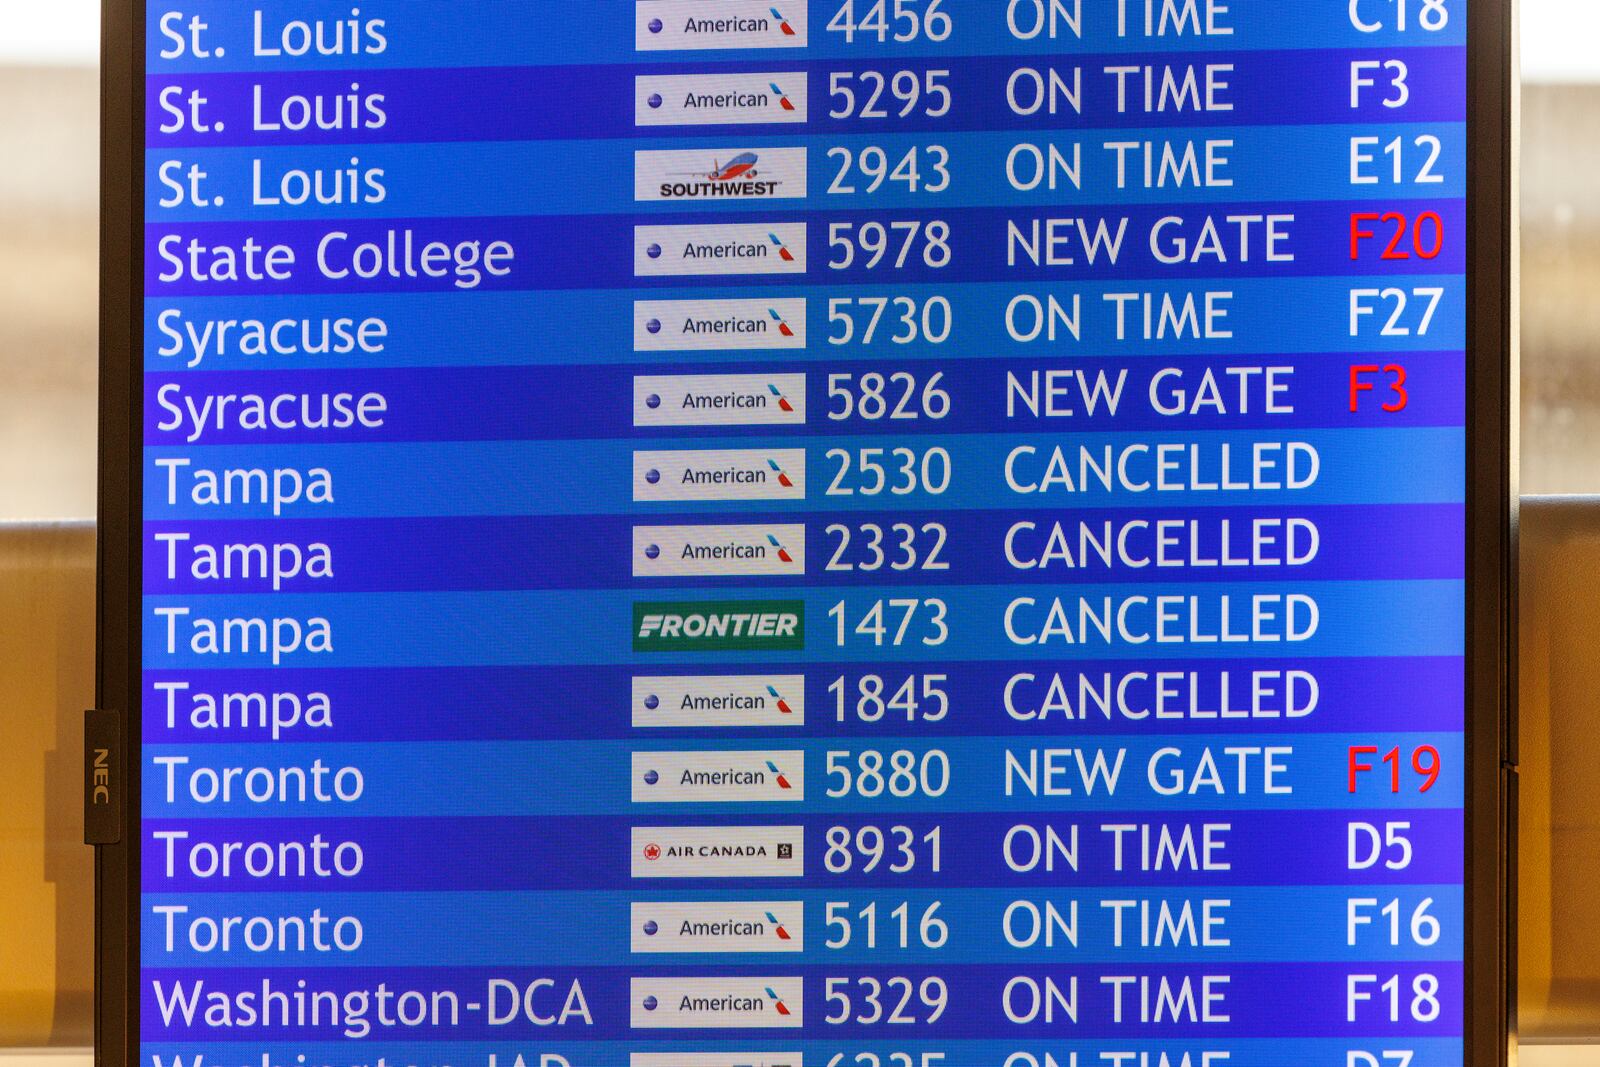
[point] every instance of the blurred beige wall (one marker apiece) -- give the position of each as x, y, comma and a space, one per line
47, 631
1561, 289
49, 191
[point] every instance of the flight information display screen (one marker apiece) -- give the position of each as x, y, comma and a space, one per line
803, 533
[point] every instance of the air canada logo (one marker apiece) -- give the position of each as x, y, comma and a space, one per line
783, 249
718, 852
731, 850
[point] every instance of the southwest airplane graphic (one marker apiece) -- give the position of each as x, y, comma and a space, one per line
742, 165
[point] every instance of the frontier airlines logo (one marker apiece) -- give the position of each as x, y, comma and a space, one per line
719, 626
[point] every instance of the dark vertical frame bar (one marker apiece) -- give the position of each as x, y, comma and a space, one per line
117, 655
1492, 101
1492, 424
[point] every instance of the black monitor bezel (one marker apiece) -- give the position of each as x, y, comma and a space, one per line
1491, 524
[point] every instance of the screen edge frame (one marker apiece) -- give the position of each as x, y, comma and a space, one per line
1492, 505
1492, 419
119, 515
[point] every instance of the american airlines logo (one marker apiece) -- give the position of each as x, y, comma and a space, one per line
719, 551
694, 25
719, 400
724, 700
717, 1059
744, 926
719, 325
720, 474
712, 249
719, 776
721, 99
717, 1003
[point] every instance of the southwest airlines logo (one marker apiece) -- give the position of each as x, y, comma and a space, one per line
740, 166
697, 175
